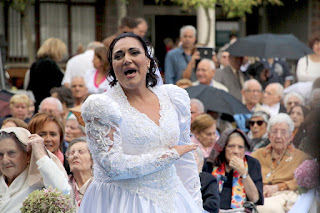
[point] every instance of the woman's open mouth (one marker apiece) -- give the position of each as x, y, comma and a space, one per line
129, 72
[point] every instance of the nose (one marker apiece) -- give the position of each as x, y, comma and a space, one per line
127, 59
5, 159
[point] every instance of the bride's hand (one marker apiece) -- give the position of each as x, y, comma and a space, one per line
182, 149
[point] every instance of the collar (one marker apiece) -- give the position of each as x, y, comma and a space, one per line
289, 150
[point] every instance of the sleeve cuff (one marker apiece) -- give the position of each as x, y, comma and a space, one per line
42, 161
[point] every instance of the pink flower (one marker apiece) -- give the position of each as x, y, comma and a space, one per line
307, 174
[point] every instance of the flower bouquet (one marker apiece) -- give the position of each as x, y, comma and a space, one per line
307, 175
47, 201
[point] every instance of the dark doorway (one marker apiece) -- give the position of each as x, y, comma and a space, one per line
169, 27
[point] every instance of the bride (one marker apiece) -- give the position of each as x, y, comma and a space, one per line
139, 137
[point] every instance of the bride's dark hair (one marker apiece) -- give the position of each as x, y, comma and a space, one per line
152, 78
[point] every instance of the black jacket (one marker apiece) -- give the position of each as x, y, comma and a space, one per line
210, 192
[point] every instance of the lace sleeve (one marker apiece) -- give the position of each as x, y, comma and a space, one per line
103, 119
186, 166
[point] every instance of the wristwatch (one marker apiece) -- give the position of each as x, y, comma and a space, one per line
245, 176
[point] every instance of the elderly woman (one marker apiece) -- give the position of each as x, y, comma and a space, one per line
239, 175
14, 122
80, 161
26, 166
204, 133
50, 128
258, 129
19, 108
73, 130
278, 161
297, 115
292, 99
45, 72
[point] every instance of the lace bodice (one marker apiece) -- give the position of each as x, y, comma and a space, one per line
138, 156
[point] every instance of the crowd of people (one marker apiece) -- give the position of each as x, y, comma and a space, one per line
116, 137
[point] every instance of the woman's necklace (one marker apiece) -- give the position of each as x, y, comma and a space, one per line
278, 160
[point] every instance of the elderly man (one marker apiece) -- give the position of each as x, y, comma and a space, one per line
292, 99
79, 90
278, 162
205, 73
272, 97
232, 77
197, 108
52, 105
177, 60
79, 64
251, 94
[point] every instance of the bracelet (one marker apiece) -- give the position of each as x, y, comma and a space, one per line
245, 176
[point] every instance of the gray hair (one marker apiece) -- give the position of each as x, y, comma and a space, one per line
247, 82
293, 94
53, 100
198, 103
188, 27
79, 76
279, 89
211, 63
262, 114
94, 44
281, 118
77, 140
73, 117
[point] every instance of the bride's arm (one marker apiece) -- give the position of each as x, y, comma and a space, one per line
102, 117
187, 168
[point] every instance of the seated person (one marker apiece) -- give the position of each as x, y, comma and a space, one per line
26, 166
19, 108
14, 122
80, 161
278, 162
238, 175
204, 133
258, 129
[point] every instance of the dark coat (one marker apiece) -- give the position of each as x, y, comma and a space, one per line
210, 192
44, 75
254, 170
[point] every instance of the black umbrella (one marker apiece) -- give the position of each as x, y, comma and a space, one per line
217, 100
269, 46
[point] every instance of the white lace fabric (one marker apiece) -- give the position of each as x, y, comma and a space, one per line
137, 156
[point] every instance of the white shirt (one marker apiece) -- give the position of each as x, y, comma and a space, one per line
93, 88
273, 110
307, 73
78, 65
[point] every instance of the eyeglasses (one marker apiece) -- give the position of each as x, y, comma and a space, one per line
293, 103
282, 131
260, 122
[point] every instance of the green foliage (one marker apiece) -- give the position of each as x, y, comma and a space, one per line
19, 5
49, 201
232, 8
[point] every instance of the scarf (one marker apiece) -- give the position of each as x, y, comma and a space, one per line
238, 196
60, 155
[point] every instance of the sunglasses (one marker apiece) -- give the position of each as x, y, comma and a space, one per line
251, 123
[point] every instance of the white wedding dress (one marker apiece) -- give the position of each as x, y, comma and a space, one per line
136, 171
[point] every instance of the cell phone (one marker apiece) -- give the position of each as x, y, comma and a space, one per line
206, 52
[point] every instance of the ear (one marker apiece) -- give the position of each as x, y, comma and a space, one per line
149, 61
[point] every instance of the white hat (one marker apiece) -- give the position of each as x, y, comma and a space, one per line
21, 133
